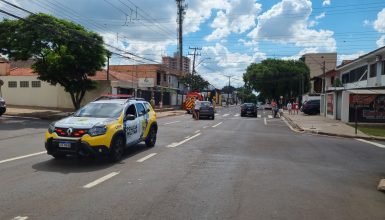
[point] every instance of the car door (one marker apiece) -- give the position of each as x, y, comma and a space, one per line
132, 127
143, 119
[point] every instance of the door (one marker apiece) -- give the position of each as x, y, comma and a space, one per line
132, 127
143, 118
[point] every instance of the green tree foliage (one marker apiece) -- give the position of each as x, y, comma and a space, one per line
273, 78
246, 94
228, 89
195, 82
65, 53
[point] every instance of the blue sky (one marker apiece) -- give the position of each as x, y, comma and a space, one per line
231, 33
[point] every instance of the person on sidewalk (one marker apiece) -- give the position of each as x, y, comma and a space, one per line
289, 107
274, 108
197, 106
295, 108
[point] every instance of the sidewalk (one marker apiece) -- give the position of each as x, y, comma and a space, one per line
56, 114
322, 125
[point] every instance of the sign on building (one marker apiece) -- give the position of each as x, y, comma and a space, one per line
370, 108
146, 82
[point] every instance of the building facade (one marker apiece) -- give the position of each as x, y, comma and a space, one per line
173, 63
361, 94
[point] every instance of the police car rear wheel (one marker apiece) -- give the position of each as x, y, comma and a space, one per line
117, 149
151, 139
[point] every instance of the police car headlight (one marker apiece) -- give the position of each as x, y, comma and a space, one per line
51, 128
98, 130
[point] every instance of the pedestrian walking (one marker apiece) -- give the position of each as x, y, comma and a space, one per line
274, 108
289, 107
295, 108
197, 106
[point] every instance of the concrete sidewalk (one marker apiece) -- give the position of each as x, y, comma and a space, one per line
56, 114
322, 125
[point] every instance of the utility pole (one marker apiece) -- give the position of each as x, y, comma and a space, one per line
324, 84
228, 94
194, 55
181, 12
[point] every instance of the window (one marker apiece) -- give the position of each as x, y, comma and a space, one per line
164, 77
131, 110
383, 67
36, 84
24, 84
345, 78
141, 110
158, 78
12, 84
373, 70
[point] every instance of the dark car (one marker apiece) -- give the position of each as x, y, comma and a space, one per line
311, 107
206, 110
249, 109
3, 106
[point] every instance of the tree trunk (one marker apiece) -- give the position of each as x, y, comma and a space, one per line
77, 98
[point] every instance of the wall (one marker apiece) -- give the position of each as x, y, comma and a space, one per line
345, 106
45, 96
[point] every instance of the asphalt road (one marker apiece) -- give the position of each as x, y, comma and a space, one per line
227, 168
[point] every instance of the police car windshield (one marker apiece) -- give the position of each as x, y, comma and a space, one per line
100, 110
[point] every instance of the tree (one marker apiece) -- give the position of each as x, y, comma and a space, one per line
195, 82
65, 52
228, 89
273, 78
246, 94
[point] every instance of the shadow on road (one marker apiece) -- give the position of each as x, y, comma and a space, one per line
85, 165
16, 123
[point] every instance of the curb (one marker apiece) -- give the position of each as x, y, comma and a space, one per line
297, 128
174, 114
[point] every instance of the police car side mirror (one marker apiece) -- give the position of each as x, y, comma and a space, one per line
129, 117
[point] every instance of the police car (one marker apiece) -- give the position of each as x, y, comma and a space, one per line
105, 126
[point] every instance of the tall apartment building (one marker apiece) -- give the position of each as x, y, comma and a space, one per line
315, 62
173, 63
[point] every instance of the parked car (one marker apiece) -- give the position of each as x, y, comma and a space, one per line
206, 110
311, 107
267, 105
249, 109
3, 106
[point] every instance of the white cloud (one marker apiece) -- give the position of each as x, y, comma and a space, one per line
322, 15
326, 2
238, 18
288, 22
302, 52
367, 23
353, 56
225, 62
379, 23
381, 42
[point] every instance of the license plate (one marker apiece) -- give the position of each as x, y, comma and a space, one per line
64, 145
248, 112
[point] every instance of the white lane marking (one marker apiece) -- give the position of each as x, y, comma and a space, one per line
205, 126
259, 116
146, 157
236, 115
184, 141
197, 131
20, 218
187, 137
216, 114
100, 180
270, 116
173, 122
373, 143
225, 115
217, 124
264, 121
22, 157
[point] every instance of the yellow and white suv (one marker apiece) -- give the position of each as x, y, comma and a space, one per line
105, 126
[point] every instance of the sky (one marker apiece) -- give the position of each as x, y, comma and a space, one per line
231, 33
